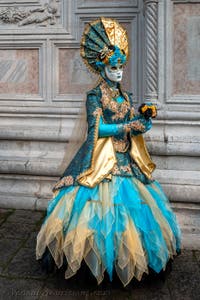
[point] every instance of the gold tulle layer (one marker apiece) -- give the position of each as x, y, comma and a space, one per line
79, 243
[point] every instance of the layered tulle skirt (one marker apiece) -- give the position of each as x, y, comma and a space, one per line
122, 225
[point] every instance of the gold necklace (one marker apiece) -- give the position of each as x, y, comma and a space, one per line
114, 92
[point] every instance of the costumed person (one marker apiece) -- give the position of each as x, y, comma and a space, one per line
107, 210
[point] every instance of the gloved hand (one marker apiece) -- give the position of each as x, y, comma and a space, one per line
138, 125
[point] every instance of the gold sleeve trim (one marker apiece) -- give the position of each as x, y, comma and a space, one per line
140, 155
103, 159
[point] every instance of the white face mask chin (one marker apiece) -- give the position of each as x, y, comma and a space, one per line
114, 73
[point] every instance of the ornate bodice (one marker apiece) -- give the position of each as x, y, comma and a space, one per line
118, 109
101, 103
114, 110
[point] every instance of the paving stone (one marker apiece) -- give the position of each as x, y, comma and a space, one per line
19, 289
24, 264
149, 289
58, 282
184, 285
4, 213
16, 230
197, 255
70, 294
185, 262
60, 288
25, 216
77, 287
146, 291
31, 242
7, 249
1, 270
151, 294
188, 266
18, 261
185, 254
107, 294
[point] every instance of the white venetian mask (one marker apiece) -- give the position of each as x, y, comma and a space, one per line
114, 73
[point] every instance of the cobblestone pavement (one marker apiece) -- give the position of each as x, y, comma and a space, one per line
21, 276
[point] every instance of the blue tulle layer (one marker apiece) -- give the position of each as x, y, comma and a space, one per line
127, 201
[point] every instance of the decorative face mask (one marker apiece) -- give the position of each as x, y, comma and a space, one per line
114, 73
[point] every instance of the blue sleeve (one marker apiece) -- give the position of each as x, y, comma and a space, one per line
106, 130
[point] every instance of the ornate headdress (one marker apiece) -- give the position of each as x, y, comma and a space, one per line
104, 42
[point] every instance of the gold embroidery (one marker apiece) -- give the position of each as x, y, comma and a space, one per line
114, 92
120, 109
65, 181
120, 145
117, 170
98, 111
140, 155
126, 168
137, 125
132, 112
95, 137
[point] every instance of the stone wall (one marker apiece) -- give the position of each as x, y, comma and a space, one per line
43, 82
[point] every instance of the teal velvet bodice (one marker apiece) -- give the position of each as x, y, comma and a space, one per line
125, 164
116, 113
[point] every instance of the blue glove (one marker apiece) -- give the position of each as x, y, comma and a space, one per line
106, 130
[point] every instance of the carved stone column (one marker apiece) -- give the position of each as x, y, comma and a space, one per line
151, 49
